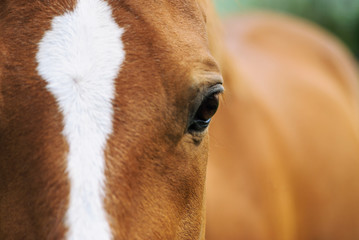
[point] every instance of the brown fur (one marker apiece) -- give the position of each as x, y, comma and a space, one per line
155, 170
34, 187
284, 149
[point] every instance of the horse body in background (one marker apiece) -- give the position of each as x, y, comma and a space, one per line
284, 147
104, 107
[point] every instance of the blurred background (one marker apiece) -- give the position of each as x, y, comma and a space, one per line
340, 17
284, 145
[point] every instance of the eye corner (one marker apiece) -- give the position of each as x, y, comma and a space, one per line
220, 86
199, 125
216, 89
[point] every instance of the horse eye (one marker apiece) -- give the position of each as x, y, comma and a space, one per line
205, 112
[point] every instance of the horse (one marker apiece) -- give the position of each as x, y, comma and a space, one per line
284, 150
104, 114
104, 110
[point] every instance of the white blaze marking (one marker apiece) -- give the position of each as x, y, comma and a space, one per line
80, 58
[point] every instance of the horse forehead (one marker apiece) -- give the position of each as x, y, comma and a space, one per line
173, 32
163, 8
175, 21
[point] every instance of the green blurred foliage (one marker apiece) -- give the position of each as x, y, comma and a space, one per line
338, 16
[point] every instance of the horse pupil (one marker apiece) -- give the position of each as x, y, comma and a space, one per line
208, 108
